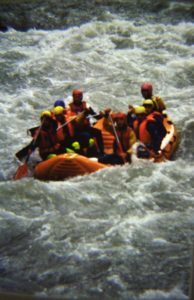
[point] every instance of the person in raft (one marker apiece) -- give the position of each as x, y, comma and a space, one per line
80, 107
131, 117
147, 130
158, 116
69, 137
147, 93
65, 130
47, 141
124, 139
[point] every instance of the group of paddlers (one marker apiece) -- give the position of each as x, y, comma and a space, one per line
67, 129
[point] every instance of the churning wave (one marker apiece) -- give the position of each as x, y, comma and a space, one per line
49, 15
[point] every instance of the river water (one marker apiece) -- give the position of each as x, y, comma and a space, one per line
125, 232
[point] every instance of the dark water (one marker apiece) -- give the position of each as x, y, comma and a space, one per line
24, 15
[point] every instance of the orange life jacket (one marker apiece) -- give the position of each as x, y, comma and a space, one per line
69, 113
144, 135
160, 119
125, 139
136, 125
46, 142
77, 108
64, 132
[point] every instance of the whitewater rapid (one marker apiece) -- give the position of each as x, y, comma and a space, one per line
120, 233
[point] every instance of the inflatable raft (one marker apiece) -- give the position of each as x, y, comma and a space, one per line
66, 165
70, 165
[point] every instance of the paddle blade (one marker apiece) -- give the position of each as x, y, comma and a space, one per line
21, 172
33, 131
23, 152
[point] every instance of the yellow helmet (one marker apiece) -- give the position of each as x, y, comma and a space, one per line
148, 102
58, 110
46, 113
140, 110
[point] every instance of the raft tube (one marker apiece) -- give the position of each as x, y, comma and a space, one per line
170, 142
66, 165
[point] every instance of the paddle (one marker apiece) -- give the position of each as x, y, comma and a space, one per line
74, 118
22, 170
23, 152
66, 123
117, 138
32, 131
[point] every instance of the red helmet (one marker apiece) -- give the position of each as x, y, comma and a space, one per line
77, 93
147, 86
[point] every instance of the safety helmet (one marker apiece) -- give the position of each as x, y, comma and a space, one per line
147, 86
77, 93
46, 113
148, 102
58, 110
140, 110
59, 102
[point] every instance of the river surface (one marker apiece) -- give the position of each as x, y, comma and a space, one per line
125, 232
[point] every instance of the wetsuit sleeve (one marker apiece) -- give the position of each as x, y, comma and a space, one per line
94, 114
161, 129
155, 136
132, 140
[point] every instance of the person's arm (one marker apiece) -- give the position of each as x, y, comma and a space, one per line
89, 111
155, 136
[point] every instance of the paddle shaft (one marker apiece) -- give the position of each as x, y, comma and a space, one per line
72, 119
116, 135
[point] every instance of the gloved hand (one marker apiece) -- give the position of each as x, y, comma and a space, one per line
91, 142
76, 145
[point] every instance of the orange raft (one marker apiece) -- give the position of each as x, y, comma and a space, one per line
65, 166
170, 142
70, 165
